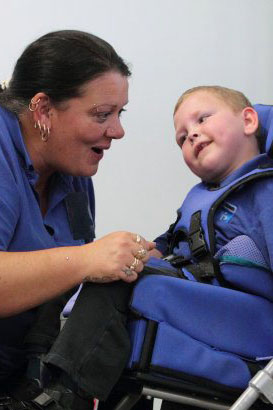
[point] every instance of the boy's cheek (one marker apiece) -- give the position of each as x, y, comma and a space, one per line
187, 153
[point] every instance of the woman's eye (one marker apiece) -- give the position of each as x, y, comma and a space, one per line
102, 116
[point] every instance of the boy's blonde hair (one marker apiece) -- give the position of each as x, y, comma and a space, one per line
236, 100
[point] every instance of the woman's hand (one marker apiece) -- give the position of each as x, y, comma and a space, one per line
31, 278
119, 255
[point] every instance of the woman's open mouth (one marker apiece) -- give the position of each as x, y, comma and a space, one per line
97, 153
97, 150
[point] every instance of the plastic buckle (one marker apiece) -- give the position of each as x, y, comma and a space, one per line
177, 261
197, 243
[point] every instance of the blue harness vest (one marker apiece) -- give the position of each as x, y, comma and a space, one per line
206, 327
192, 238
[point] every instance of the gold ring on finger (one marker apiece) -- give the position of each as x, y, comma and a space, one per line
141, 253
134, 264
128, 271
138, 238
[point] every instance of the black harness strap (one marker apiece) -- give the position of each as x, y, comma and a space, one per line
206, 267
201, 265
197, 245
196, 237
172, 238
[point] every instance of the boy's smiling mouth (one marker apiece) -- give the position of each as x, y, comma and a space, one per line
199, 147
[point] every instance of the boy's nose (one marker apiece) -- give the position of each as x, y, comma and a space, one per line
193, 137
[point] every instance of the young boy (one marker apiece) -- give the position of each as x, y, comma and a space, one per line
218, 132
215, 128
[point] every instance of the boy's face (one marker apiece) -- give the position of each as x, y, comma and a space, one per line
213, 138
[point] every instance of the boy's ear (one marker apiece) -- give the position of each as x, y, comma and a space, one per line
251, 121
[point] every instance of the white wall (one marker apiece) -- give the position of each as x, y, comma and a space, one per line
171, 46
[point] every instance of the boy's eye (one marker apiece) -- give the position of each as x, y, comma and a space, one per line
202, 118
181, 140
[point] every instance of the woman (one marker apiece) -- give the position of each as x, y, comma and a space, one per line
59, 113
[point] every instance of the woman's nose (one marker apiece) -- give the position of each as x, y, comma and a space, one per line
116, 131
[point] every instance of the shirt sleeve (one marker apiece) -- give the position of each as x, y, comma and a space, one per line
9, 211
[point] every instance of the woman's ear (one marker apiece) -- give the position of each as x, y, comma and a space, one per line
40, 106
251, 121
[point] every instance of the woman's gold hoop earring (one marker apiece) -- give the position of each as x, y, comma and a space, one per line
33, 105
44, 131
38, 125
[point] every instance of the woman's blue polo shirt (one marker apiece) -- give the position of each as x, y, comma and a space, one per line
24, 228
